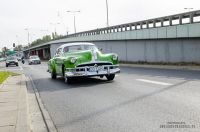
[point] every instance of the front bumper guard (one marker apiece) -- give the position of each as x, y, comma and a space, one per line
92, 71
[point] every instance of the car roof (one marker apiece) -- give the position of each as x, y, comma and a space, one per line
34, 56
11, 57
73, 44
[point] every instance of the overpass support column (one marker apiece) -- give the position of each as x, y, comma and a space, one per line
191, 18
125, 28
180, 20
117, 29
154, 23
170, 21
44, 53
141, 25
147, 23
130, 27
136, 26
37, 53
162, 23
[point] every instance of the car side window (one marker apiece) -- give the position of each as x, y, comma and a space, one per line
58, 52
65, 49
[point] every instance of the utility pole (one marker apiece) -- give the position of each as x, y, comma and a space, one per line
54, 24
74, 13
28, 35
107, 13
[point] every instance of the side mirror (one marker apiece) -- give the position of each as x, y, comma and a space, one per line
100, 49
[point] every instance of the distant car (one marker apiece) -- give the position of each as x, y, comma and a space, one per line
34, 60
19, 58
11, 61
2, 59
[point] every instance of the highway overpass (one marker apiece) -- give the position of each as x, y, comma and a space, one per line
169, 39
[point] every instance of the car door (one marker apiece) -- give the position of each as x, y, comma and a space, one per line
58, 61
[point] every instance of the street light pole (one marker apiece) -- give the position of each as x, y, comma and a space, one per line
54, 24
28, 35
28, 41
107, 13
74, 13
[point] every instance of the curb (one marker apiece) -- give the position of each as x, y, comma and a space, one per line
45, 115
170, 67
23, 120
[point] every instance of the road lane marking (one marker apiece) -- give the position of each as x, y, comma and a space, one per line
154, 82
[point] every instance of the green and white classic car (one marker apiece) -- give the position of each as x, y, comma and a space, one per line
82, 60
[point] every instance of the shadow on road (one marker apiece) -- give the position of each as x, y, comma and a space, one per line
48, 84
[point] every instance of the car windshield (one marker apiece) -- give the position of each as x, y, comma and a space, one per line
11, 58
75, 48
34, 57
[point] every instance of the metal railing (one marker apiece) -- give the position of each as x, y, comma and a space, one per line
146, 24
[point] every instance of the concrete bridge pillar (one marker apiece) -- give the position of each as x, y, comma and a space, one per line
154, 23
117, 29
191, 18
121, 29
136, 26
130, 26
141, 25
162, 23
170, 21
180, 20
147, 23
125, 28
37, 53
44, 53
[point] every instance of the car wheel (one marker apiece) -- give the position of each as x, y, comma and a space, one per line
6, 65
110, 77
29, 63
17, 64
53, 75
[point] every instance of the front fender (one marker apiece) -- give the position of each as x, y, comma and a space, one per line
51, 66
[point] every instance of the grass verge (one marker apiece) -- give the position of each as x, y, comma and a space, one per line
5, 74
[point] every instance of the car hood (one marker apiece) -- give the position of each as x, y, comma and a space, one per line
86, 57
34, 59
11, 60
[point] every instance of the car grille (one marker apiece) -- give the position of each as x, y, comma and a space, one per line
94, 63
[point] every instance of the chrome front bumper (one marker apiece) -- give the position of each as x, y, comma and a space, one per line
92, 71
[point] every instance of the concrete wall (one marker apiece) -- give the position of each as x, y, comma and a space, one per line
171, 50
164, 50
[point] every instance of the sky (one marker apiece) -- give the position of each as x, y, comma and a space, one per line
40, 16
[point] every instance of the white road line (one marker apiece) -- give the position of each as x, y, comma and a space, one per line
154, 82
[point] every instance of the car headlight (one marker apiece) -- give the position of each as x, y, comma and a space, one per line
115, 57
73, 60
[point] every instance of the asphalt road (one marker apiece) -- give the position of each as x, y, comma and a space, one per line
138, 100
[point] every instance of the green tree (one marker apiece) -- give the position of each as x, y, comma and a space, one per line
4, 50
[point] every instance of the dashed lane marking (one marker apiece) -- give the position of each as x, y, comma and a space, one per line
154, 82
